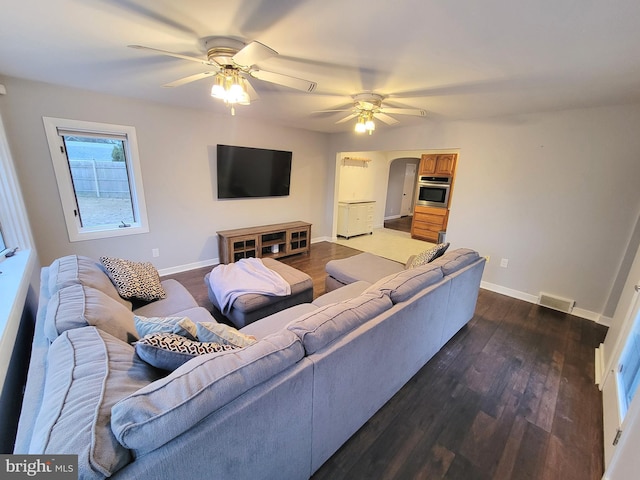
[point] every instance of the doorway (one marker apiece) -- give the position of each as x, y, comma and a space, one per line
400, 199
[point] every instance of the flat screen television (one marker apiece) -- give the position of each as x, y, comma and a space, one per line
245, 172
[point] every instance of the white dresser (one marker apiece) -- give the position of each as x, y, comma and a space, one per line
355, 217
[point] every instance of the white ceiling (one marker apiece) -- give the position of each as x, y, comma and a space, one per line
457, 59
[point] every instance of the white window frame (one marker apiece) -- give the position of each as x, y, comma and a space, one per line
61, 168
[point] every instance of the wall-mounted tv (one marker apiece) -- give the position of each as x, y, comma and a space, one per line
245, 172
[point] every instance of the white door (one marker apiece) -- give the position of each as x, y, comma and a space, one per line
620, 397
406, 207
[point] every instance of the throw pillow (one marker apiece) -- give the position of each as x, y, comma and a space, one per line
429, 255
225, 334
183, 326
168, 351
134, 279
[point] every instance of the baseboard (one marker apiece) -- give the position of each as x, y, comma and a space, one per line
606, 321
322, 239
578, 312
188, 266
509, 292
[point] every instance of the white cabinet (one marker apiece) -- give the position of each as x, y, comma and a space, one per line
355, 218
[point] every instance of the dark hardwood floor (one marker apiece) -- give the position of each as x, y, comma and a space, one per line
403, 224
511, 396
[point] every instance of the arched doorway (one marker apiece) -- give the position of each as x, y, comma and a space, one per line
400, 199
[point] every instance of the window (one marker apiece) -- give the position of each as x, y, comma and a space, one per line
99, 178
3, 245
629, 366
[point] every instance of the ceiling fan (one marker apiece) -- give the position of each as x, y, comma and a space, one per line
232, 62
367, 106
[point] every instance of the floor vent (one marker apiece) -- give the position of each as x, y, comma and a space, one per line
556, 303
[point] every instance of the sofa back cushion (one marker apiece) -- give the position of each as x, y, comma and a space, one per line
88, 371
76, 269
327, 323
455, 260
161, 411
405, 284
77, 306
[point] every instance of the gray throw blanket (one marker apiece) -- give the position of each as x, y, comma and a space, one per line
248, 275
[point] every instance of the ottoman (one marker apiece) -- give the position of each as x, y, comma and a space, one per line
250, 307
364, 266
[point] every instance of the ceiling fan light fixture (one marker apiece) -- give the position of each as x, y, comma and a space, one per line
365, 123
231, 88
369, 125
218, 90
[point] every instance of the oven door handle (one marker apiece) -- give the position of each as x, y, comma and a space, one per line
439, 185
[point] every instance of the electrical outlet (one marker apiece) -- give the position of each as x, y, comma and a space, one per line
155, 252
504, 263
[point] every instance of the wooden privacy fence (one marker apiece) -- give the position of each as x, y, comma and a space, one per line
92, 178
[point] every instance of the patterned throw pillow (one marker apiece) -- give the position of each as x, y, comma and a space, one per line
168, 351
429, 255
183, 326
221, 333
134, 279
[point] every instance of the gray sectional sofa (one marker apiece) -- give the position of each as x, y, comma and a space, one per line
278, 408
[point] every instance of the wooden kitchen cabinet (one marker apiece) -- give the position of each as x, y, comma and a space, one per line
428, 222
437, 164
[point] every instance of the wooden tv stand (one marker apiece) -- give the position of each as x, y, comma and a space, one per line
273, 241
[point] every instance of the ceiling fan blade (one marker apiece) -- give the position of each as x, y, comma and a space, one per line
418, 112
385, 118
202, 61
347, 118
189, 79
253, 53
285, 80
253, 95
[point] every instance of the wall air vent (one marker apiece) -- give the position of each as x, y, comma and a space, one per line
556, 303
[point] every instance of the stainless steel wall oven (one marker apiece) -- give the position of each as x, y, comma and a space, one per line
433, 191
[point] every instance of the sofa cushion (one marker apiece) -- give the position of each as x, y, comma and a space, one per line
139, 280
277, 321
76, 269
168, 351
405, 284
364, 266
428, 255
343, 293
88, 371
196, 314
178, 300
327, 323
77, 306
155, 414
225, 334
455, 260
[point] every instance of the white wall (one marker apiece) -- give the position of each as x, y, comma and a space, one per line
177, 149
554, 193
395, 185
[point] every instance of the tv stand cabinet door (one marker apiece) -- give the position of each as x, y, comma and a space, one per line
298, 240
234, 248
